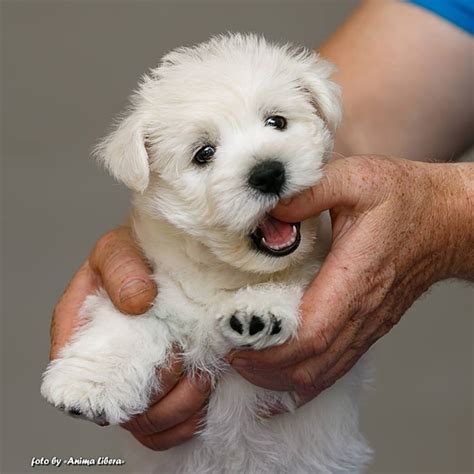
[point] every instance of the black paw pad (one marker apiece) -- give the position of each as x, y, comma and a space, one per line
236, 325
256, 325
74, 412
276, 327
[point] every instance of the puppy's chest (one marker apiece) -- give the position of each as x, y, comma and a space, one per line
199, 285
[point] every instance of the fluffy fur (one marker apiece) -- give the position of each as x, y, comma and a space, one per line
193, 224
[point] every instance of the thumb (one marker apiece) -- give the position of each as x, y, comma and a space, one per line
337, 187
124, 271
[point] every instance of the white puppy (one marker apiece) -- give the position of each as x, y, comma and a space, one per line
214, 137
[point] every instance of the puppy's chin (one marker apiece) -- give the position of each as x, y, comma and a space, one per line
248, 254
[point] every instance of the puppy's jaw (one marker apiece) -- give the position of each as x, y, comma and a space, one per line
276, 238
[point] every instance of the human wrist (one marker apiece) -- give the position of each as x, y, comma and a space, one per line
463, 222
455, 183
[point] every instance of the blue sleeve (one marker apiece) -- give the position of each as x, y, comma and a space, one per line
458, 12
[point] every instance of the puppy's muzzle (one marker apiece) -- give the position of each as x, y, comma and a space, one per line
268, 177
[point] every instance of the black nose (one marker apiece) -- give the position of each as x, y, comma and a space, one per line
268, 177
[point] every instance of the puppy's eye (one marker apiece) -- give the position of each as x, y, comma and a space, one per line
204, 155
276, 121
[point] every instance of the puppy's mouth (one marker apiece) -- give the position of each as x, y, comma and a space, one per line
276, 238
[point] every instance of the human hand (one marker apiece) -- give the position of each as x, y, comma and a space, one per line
398, 227
117, 265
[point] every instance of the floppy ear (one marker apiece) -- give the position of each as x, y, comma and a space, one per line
124, 154
324, 94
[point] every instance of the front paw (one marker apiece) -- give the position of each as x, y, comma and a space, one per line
88, 389
253, 330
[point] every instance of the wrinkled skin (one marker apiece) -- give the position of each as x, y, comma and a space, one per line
398, 227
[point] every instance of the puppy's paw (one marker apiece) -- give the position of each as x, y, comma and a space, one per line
252, 330
93, 391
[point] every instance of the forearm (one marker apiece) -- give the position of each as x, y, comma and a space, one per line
406, 77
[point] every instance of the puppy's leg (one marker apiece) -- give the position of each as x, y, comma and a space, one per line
260, 316
108, 371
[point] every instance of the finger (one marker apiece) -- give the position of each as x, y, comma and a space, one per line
66, 313
272, 410
330, 301
370, 333
188, 397
172, 437
339, 369
169, 378
306, 375
339, 186
125, 274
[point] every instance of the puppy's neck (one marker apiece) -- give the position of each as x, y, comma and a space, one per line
171, 250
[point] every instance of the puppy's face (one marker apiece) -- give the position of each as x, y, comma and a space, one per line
218, 134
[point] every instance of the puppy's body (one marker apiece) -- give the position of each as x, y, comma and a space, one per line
216, 135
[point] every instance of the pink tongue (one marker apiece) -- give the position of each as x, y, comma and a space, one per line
276, 232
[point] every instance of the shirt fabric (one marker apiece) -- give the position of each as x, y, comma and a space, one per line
458, 12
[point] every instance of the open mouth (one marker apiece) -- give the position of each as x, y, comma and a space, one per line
275, 237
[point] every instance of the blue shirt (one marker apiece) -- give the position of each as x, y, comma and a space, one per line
458, 12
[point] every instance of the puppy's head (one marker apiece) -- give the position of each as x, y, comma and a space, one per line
217, 134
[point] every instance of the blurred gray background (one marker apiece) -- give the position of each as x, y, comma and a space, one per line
67, 68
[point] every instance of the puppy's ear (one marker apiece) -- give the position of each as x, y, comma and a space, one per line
324, 95
124, 153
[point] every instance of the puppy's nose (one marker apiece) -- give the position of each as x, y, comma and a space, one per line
268, 177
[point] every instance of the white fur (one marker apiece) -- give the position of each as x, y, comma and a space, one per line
193, 224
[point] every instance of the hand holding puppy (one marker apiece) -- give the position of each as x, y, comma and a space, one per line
117, 264
398, 227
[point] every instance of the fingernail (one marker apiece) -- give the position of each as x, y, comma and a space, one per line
286, 201
276, 409
230, 356
132, 289
203, 383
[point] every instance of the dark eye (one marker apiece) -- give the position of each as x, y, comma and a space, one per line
276, 121
204, 154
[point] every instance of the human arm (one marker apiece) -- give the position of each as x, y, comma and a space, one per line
406, 77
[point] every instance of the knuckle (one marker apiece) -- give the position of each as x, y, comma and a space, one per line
113, 252
314, 192
358, 345
321, 340
304, 381
149, 423
142, 424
